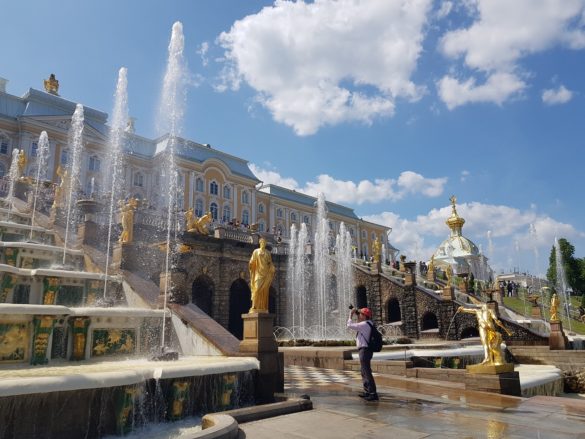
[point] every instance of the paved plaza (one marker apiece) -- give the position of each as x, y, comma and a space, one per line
411, 408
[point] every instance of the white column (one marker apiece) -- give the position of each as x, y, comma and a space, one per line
236, 195
254, 207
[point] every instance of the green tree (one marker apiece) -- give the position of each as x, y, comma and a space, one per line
573, 267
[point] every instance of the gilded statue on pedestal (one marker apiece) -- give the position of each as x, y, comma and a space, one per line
21, 163
195, 224
491, 339
61, 189
449, 274
554, 308
376, 250
261, 275
128, 220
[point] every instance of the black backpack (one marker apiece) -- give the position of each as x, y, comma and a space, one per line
375, 343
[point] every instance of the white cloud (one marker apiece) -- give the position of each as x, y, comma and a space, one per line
508, 225
444, 10
497, 89
364, 191
464, 175
327, 62
202, 52
502, 33
560, 95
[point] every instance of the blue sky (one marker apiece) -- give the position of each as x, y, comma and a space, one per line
386, 106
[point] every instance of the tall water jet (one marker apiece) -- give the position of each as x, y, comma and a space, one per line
42, 158
12, 176
561, 283
298, 265
171, 117
115, 144
76, 144
321, 264
490, 245
344, 275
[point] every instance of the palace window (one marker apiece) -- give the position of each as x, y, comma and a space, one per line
199, 185
138, 179
261, 226
293, 217
199, 207
227, 192
245, 197
94, 163
33, 149
213, 188
64, 157
213, 210
306, 219
2, 170
373, 236
245, 217
279, 213
261, 208
4, 144
227, 214
364, 234
351, 232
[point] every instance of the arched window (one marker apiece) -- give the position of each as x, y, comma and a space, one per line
364, 234
373, 236
279, 213
306, 219
245, 217
245, 197
227, 192
94, 163
213, 188
199, 185
293, 217
261, 226
64, 156
138, 179
199, 207
213, 210
351, 232
227, 213
34, 149
4, 144
261, 208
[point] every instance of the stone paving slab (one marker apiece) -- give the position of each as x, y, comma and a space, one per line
419, 410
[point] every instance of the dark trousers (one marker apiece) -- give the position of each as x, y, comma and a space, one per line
366, 370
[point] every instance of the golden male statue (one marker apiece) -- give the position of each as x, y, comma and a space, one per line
261, 275
128, 209
491, 339
376, 250
554, 308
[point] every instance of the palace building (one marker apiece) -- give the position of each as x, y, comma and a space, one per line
211, 180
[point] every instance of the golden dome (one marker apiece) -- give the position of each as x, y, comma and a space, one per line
455, 222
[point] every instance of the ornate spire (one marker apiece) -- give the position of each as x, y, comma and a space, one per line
52, 85
455, 222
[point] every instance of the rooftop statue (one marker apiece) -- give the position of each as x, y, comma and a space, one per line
491, 339
261, 275
52, 85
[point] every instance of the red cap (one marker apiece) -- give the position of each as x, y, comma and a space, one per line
367, 312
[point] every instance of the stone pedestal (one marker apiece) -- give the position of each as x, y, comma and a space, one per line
87, 234
448, 293
259, 342
557, 340
496, 379
536, 312
431, 277
219, 232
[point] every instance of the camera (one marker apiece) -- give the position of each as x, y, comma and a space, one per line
356, 310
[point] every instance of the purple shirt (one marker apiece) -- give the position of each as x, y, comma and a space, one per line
363, 329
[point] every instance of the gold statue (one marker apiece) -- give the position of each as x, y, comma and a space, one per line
554, 308
62, 188
491, 339
195, 224
128, 220
376, 250
261, 275
52, 85
449, 273
21, 162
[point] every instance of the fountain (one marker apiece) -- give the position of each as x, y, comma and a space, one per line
42, 157
318, 294
561, 284
71, 368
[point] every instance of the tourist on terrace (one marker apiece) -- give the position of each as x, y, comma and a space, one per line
364, 330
